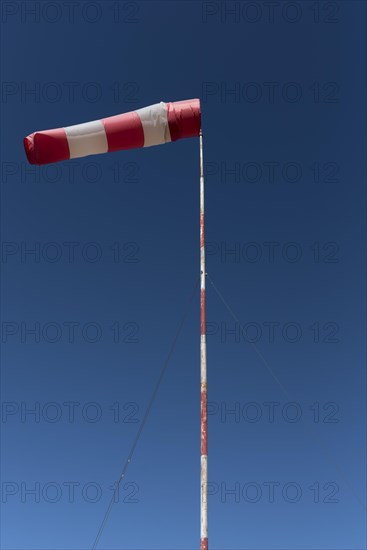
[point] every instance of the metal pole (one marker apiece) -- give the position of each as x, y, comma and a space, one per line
203, 386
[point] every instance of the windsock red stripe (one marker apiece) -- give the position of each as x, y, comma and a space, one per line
154, 125
204, 544
124, 131
184, 118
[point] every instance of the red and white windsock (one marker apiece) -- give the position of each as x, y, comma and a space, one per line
154, 125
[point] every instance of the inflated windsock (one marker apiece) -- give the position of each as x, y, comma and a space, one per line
154, 125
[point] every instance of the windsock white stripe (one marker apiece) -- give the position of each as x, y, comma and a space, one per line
154, 121
86, 139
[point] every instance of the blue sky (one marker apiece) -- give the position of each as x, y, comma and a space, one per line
99, 258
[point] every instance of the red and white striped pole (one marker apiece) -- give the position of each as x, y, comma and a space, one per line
203, 386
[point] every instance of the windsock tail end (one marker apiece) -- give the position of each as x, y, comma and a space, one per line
29, 148
47, 146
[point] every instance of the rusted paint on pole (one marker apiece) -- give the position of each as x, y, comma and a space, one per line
203, 381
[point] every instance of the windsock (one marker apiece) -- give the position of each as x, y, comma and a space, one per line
154, 125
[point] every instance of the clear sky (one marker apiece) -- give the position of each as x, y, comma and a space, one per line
99, 258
